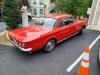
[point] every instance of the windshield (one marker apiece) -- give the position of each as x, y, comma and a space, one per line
47, 22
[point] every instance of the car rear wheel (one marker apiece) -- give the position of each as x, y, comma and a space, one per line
50, 45
81, 31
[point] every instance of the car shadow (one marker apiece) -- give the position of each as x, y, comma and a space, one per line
67, 40
18, 51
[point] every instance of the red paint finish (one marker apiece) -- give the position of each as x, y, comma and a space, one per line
36, 36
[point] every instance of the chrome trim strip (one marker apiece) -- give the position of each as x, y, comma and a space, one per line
68, 37
14, 43
23, 49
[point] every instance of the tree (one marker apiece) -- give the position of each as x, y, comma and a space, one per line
11, 13
74, 7
25, 3
60, 5
82, 8
68, 6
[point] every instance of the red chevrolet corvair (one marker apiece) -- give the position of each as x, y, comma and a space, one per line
46, 32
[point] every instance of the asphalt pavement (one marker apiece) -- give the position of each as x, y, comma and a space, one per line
94, 65
15, 62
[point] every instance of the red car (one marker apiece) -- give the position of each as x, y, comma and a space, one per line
46, 32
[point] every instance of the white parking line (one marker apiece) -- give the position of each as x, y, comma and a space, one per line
92, 44
81, 56
75, 63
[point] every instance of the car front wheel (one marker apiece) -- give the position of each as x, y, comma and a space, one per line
50, 45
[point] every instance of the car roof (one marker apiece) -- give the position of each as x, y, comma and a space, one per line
58, 16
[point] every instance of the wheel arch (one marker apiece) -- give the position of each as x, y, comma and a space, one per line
52, 39
84, 26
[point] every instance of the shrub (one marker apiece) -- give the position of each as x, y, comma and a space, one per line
11, 13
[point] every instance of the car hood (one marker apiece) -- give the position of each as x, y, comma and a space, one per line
29, 33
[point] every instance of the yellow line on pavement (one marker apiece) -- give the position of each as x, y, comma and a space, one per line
7, 35
0, 33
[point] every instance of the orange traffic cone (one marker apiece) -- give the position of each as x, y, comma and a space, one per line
84, 67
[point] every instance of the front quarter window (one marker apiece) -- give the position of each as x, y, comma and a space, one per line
61, 24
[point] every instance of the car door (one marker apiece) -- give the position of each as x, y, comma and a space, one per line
61, 30
70, 25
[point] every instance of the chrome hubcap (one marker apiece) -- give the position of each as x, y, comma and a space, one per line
50, 46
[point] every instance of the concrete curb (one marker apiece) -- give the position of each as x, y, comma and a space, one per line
3, 32
3, 40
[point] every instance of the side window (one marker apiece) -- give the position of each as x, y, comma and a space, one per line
61, 24
68, 20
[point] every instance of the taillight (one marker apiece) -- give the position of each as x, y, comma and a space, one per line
23, 45
19, 44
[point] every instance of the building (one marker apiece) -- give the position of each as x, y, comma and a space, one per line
52, 6
41, 7
94, 19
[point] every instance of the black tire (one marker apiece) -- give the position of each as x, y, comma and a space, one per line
98, 59
81, 31
50, 45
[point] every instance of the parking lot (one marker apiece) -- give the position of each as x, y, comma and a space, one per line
15, 62
94, 66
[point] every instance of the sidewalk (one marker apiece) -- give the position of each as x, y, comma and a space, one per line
3, 40
2, 26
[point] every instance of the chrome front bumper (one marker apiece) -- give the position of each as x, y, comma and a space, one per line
14, 43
